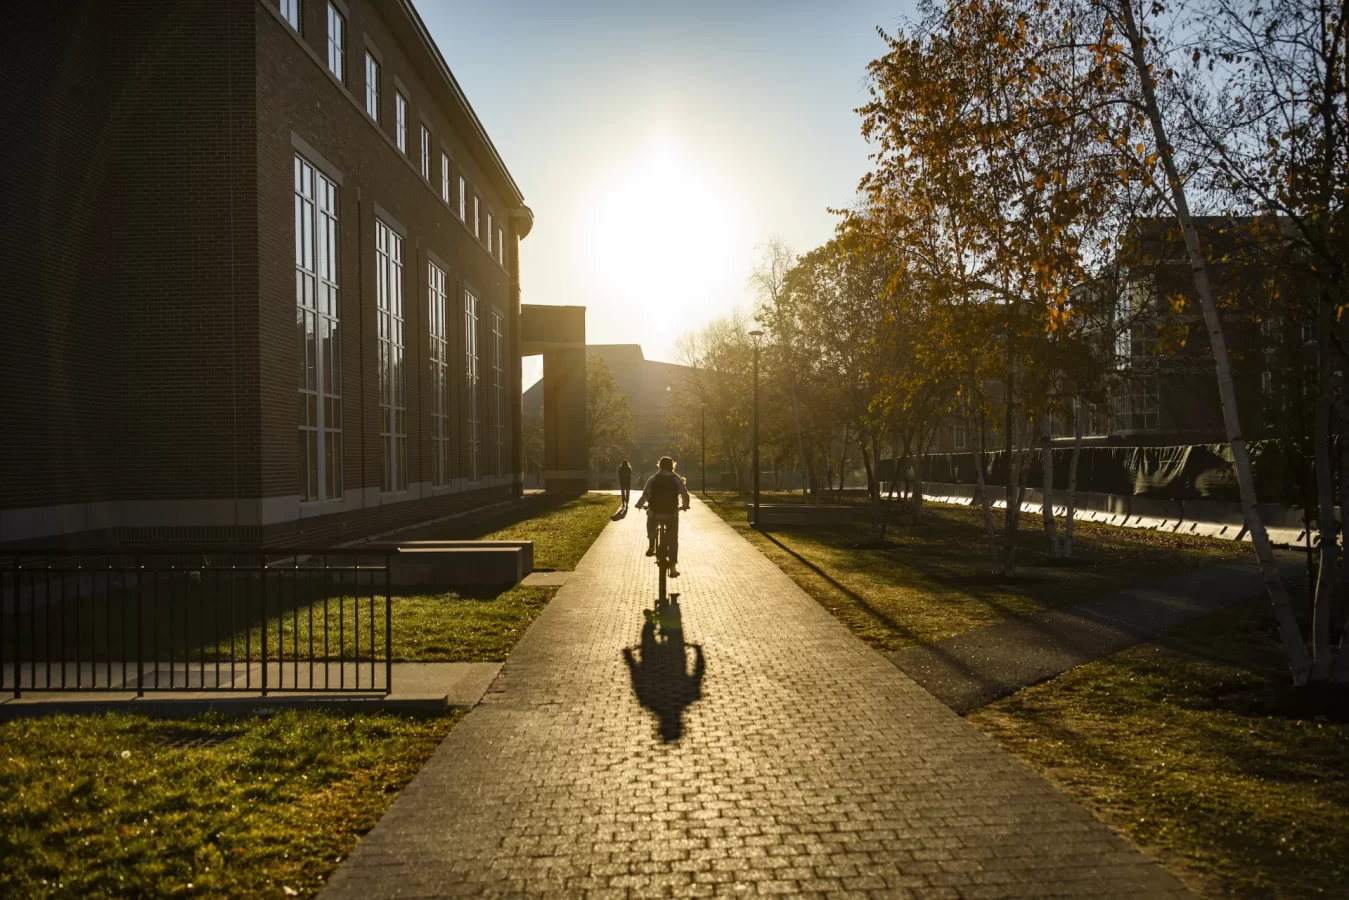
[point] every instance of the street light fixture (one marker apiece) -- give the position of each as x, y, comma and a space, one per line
704, 428
757, 335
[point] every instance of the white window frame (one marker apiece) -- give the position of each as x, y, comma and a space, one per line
442, 448
372, 76
445, 177
477, 217
501, 243
473, 419
499, 393
959, 437
463, 199
337, 44
317, 318
392, 356
426, 154
490, 232
290, 11
400, 124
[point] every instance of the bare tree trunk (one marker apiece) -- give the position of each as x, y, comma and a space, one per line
985, 501
1327, 580
1013, 494
801, 464
1294, 648
1072, 489
873, 489
842, 466
917, 503
1047, 490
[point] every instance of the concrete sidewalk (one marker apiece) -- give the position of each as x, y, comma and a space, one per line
740, 742
972, 670
417, 687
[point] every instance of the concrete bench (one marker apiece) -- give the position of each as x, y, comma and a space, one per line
803, 515
443, 567
526, 548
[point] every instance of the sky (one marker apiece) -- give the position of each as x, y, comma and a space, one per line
659, 143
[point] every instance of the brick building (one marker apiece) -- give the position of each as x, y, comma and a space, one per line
260, 275
648, 384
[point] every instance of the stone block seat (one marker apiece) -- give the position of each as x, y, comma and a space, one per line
804, 515
444, 564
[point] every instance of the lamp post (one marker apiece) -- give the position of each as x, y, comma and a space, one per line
756, 334
704, 430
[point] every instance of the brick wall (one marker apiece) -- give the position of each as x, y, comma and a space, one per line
148, 320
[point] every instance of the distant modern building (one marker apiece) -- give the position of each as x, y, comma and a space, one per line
1164, 390
260, 269
649, 386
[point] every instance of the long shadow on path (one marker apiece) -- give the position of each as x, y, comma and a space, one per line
659, 669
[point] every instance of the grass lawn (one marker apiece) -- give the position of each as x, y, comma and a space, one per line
102, 806
1193, 748
561, 528
122, 805
931, 580
465, 626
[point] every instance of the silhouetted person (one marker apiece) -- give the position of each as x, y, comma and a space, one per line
625, 481
662, 496
661, 679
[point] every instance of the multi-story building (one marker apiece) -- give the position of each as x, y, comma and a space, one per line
260, 275
1163, 389
649, 385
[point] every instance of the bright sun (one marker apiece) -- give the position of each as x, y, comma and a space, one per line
663, 228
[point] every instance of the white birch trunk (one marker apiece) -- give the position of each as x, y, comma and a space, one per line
1294, 647
1327, 580
1047, 477
985, 501
1072, 489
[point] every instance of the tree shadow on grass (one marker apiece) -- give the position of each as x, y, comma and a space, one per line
473, 525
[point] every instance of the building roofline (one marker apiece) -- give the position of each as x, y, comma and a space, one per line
480, 132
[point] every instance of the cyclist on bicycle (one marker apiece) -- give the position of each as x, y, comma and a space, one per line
663, 496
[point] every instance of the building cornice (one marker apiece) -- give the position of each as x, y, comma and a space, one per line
515, 198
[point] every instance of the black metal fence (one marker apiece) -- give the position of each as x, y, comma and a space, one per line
196, 620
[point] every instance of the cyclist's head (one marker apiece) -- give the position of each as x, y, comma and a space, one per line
666, 464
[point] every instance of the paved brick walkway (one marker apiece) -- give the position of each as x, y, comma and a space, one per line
806, 763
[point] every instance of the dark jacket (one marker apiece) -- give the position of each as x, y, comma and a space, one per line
625, 475
663, 492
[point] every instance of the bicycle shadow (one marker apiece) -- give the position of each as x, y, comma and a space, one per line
661, 679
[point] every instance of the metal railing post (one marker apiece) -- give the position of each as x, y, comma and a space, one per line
140, 626
263, 651
388, 627
18, 689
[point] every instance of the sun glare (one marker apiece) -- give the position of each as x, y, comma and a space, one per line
663, 228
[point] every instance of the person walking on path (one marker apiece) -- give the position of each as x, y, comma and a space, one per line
625, 481
662, 496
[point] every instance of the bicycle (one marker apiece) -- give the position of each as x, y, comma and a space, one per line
662, 551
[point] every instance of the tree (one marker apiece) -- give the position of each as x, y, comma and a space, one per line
1142, 61
609, 426
1279, 136
780, 313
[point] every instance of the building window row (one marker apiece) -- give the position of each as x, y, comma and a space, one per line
441, 446
392, 353
317, 320
400, 122
337, 45
371, 86
474, 417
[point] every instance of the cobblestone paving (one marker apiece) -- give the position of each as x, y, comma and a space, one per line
791, 760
